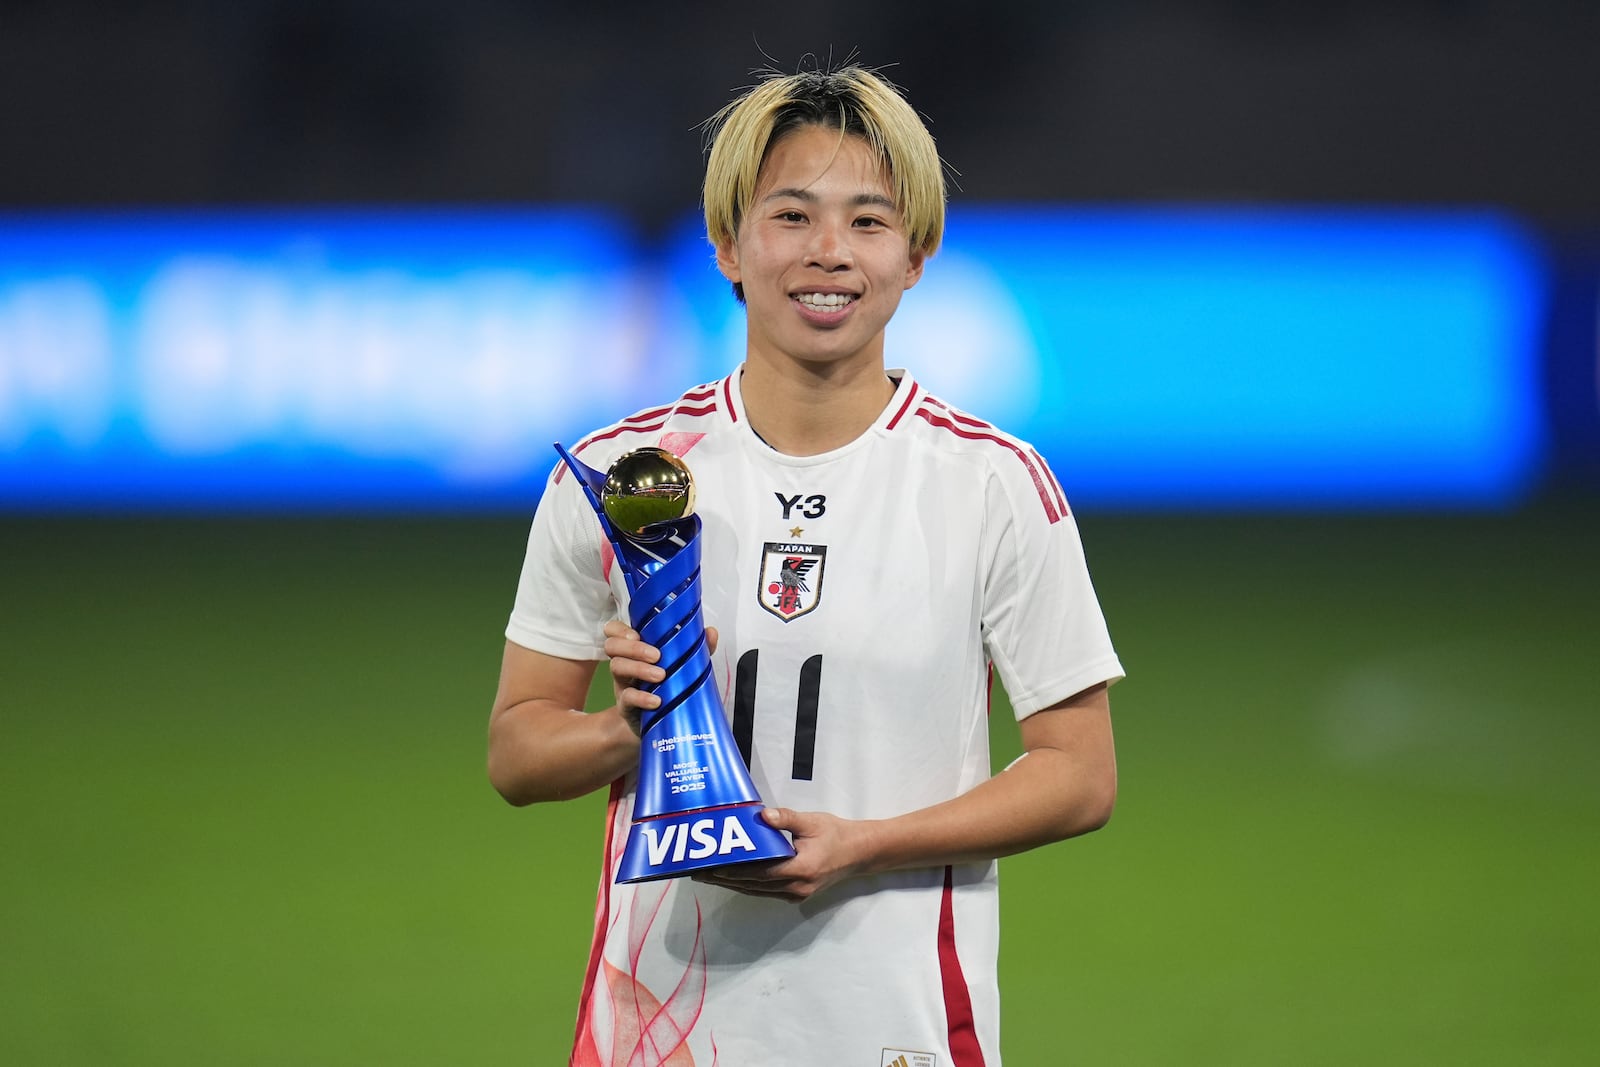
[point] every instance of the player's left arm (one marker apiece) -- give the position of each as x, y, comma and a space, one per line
1064, 784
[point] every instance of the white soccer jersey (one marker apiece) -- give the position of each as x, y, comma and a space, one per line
861, 596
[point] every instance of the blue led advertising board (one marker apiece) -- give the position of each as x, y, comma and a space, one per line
426, 360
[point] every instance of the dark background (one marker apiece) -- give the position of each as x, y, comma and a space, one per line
1455, 102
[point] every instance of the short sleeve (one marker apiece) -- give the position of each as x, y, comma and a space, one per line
1043, 627
563, 599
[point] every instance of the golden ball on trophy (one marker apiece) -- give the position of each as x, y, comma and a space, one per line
644, 490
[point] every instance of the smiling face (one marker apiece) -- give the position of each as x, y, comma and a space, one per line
822, 254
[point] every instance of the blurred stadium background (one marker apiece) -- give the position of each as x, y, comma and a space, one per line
1302, 303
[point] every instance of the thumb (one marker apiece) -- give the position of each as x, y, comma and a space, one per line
711, 639
782, 819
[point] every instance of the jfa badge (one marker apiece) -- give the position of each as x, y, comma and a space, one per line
791, 578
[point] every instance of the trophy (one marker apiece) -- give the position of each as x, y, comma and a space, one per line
696, 806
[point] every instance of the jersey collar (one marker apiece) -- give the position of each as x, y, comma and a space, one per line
906, 395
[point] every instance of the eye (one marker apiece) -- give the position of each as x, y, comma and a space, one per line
869, 221
791, 216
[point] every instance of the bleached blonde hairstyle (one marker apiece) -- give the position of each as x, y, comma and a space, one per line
852, 100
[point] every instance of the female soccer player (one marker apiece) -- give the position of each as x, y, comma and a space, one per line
870, 553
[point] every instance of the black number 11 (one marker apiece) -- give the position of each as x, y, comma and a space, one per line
805, 712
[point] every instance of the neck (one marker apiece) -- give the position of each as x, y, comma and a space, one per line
805, 411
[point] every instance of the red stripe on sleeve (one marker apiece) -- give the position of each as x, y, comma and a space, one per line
651, 419
1050, 476
646, 416
643, 427
964, 1048
1039, 480
614, 431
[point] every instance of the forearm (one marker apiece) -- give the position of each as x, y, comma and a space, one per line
542, 750
1064, 786
1048, 795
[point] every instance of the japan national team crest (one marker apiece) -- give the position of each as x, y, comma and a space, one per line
791, 578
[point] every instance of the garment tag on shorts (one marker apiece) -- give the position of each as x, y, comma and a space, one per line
899, 1057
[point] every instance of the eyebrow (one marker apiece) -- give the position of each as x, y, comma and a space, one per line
806, 195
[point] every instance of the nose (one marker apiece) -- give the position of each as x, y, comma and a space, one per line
830, 247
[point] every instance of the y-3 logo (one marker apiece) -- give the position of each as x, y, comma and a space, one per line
815, 504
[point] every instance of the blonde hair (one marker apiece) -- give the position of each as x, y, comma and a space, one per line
852, 100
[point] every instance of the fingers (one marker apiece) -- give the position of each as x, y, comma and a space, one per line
633, 665
795, 878
632, 661
756, 880
622, 641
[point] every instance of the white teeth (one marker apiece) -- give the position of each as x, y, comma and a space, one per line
824, 300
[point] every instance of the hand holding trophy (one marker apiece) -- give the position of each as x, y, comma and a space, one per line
695, 806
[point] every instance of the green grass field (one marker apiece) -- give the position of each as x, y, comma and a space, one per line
246, 819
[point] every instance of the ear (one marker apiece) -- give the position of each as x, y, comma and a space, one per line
728, 261
914, 267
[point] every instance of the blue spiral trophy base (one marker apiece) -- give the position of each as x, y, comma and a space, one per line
695, 806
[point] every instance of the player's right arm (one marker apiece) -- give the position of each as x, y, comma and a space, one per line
542, 745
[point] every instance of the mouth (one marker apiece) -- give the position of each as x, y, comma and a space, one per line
824, 303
